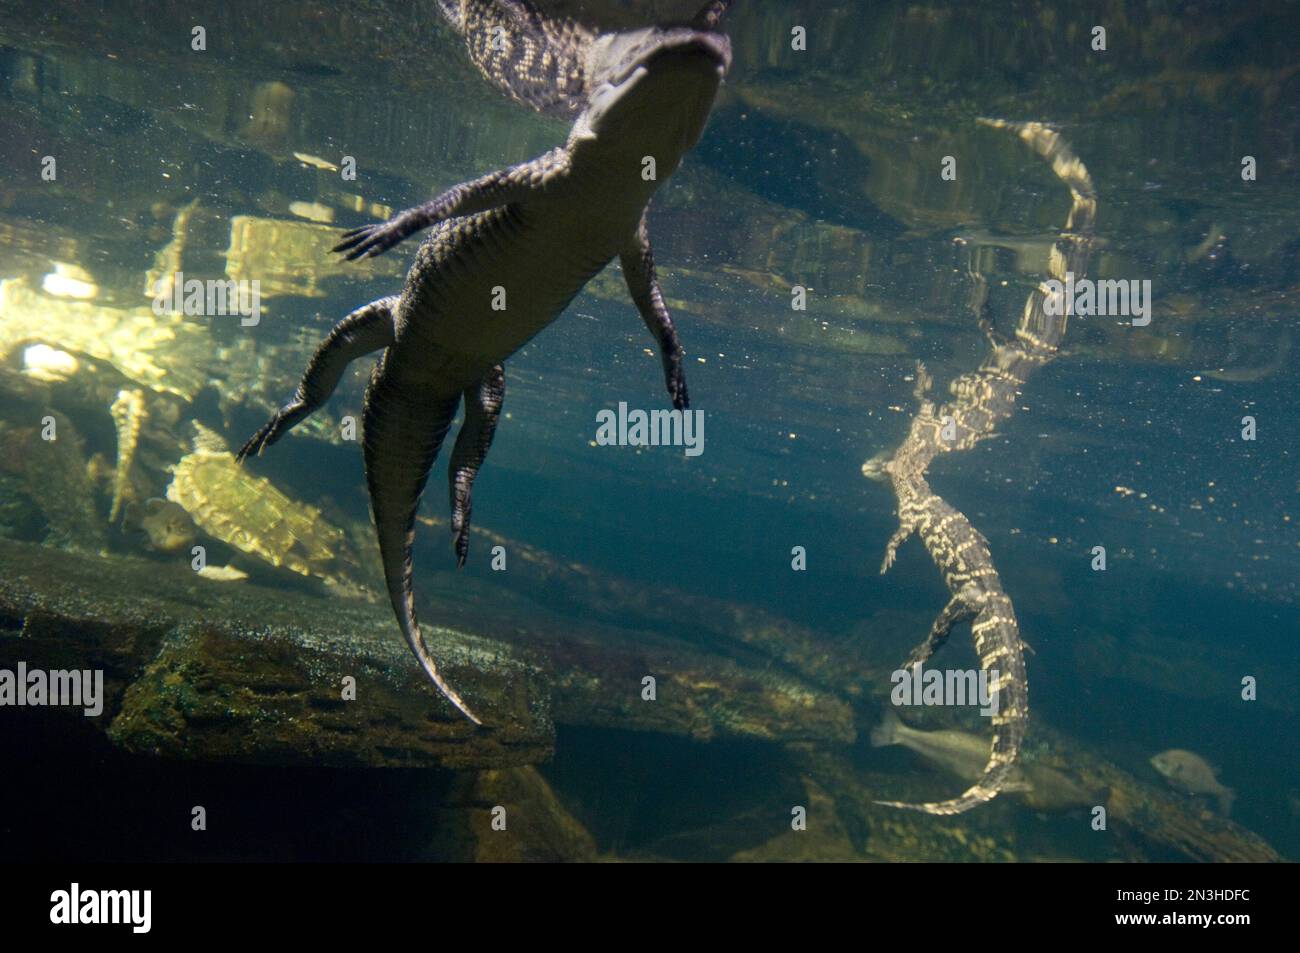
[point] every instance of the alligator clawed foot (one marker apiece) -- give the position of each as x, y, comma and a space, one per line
269, 433
675, 379
253, 446
368, 241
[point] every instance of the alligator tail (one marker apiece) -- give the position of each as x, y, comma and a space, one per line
997, 642
403, 431
1037, 338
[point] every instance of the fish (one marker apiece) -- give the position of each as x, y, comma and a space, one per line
1189, 772
166, 525
315, 162
963, 755
957, 752
1249, 375
223, 573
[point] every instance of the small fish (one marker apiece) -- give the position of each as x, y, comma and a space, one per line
1190, 772
957, 752
964, 754
1249, 375
223, 573
313, 211
315, 162
166, 525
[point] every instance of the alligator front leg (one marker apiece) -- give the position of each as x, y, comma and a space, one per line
366, 329
482, 410
638, 264
905, 529
490, 191
404, 427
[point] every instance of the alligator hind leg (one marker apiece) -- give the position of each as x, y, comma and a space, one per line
957, 610
638, 264
482, 410
403, 430
365, 330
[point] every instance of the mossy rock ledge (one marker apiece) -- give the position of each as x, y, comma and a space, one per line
235, 671
231, 671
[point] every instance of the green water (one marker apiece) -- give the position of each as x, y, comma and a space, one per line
820, 168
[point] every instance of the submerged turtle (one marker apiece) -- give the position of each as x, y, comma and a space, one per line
250, 514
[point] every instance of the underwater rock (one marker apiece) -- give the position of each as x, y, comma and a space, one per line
234, 671
55, 477
719, 682
509, 815
164, 353
599, 680
209, 671
290, 258
824, 840
883, 834
20, 517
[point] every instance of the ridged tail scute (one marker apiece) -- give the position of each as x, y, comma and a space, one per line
404, 428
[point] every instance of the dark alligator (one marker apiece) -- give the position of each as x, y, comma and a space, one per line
552, 65
981, 401
533, 234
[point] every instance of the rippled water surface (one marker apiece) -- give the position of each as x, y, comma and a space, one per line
821, 169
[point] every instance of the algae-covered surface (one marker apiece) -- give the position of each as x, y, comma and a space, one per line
677, 657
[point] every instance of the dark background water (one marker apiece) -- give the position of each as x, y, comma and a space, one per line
819, 168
